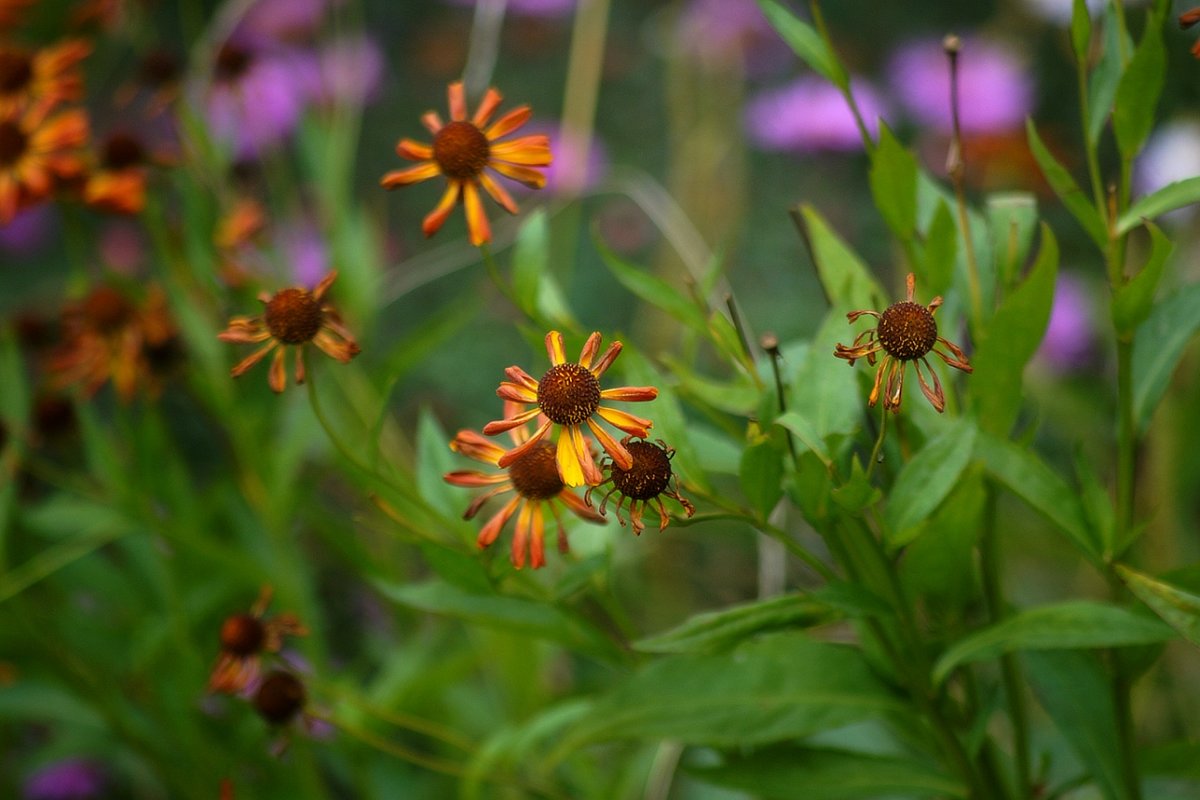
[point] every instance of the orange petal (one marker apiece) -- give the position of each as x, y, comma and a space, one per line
589, 350
457, 101
432, 122
634, 426
508, 123
301, 374
472, 445
520, 542
436, 218
318, 293
405, 177
252, 359
629, 394
537, 536
414, 151
532, 151
473, 479
591, 473
516, 393
518, 375
620, 455
530, 177
555, 348
479, 501
578, 507
277, 376
934, 394
487, 107
508, 423
337, 349
477, 222
512, 455
570, 466
498, 193
606, 360
492, 529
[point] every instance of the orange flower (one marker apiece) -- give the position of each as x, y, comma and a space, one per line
462, 150
244, 640
119, 185
906, 332
569, 395
35, 151
648, 479
533, 475
108, 336
292, 318
42, 78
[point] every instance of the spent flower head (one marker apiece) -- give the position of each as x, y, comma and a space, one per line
648, 479
569, 395
906, 332
464, 150
534, 480
245, 637
292, 317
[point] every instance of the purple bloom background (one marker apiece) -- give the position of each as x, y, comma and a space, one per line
1071, 334
532, 8
728, 29
810, 114
994, 90
70, 779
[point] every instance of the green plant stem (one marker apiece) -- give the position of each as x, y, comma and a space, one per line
823, 31
878, 442
1089, 147
993, 591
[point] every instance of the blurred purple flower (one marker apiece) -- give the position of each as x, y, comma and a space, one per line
728, 29
1067, 345
285, 20
563, 176
530, 8
258, 94
70, 779
1171, 154
303, 248
995, 93
350, 71
28, 231
810, 114
122, 246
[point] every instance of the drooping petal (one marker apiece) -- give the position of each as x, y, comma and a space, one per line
436, 218
591, 473
895, 385
518, 375
520, 540
530, 177
606, 360
479, 501
634, 426
508, 123
873, 398
252, 359
336, 349
498, 193
934, 394
555, 348
578, 507
472, 445
477, 222
301, 373
277, 376
487, 106
473, 478
620, 455
537, 536
512, 455
958, 359
492, 529
318, 293
508, 423
404, 177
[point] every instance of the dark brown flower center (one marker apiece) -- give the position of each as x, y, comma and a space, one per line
461, 150
649, 475
568, 394
535, 474
107, 310
122, 150
232, 62
16, 71
159, 67
280, 697
243, 635
293, 316
13, 142
907, 330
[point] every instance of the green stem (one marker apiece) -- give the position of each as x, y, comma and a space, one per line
823, 31
878, 442
1089, 147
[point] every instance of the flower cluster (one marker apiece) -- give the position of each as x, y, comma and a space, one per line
246, 638
540, 472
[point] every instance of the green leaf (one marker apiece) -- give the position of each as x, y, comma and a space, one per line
1077, 695
1175, 760
435, 459
1071, 625
940, 564
717, 631
654, 290
806, 435
777, 773
846, 280
514, 614
824, 389
534, 285
893, 181
1028, 477
1081, 31
936, 271
780, 686
1067, 189
1102, 88
857, 492
1012, 220
805, 42
1010, 340
1180, 608
926, 480
1131, 303
1168, 198
761, 473
1097, 505
1139, 89
1158, 345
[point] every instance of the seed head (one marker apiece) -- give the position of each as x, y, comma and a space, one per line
535, 474
907, 330
461, 150
123, 150
568, 394
107, 310
293, 316
650, 474
243, 635
280, 697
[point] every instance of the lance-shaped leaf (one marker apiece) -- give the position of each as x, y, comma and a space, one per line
715, 631
1067, 189
1168, 198
926, 480
846, 280
1180, 608
1140, 88
1158, 345
1131, 303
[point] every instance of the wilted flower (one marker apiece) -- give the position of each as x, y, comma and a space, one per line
995, 92
280, 698
291, 318
109, 336
906, 332
245, 638
649, 478
462, 150
533, 476
569, 395
810, 114
36, 151
41, 78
